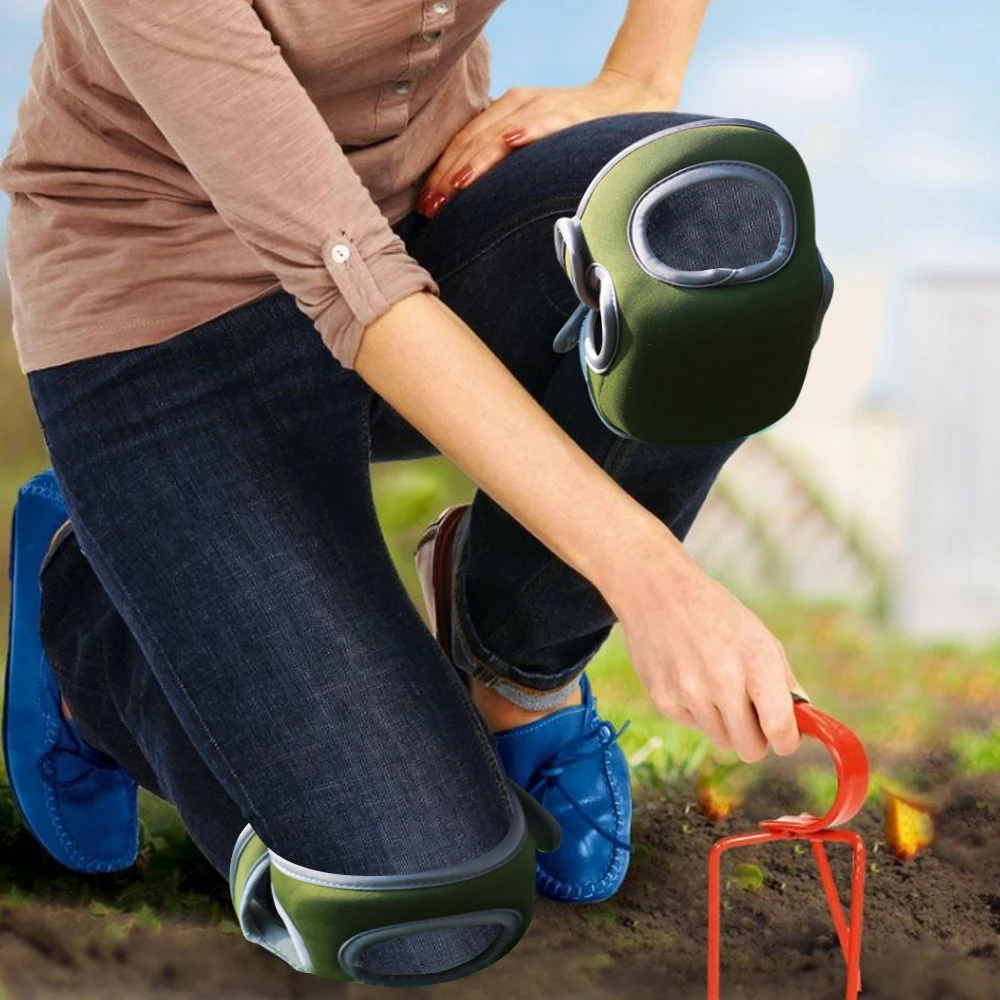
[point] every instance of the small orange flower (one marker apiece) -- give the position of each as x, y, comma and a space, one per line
716, 802
909, 824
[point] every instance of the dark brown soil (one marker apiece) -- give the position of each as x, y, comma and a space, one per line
932, 925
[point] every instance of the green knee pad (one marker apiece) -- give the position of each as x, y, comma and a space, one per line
709, 339
328, 920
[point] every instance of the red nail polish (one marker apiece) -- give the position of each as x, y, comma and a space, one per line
462, 178
513, 134
435, 205
423, 206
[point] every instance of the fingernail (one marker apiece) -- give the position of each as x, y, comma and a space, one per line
513, 134
462, 178
435, 205
427, 202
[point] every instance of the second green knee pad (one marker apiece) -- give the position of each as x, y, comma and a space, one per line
327, 920
702, 290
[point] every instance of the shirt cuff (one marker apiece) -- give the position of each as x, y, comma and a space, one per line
368, 286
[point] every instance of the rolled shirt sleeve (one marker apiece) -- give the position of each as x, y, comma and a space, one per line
214, 83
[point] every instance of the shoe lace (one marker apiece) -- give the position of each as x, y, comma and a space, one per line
595, 739
74, 748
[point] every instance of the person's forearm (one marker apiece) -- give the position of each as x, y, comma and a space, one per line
436, 373
654, 44
703, 657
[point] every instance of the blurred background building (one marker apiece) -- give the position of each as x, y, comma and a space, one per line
882, 487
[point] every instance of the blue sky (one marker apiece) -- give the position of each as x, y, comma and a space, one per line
893, 104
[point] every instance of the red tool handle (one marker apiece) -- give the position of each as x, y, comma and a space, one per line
850, 761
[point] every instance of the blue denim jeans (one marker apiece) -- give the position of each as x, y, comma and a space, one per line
225, 619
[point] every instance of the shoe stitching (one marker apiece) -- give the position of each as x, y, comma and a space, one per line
606, 748
617, 861
51, 732
69, 843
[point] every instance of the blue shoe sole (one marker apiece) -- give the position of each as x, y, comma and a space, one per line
18, 692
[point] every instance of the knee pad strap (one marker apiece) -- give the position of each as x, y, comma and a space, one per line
328, 920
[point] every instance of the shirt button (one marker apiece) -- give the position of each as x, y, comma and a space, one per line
431, 36
441, 8
403, 87
340, 252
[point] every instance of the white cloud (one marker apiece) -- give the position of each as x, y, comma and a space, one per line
959, 245
812, 92
788, 78
934, 160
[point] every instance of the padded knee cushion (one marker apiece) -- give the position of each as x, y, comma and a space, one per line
328, 920
702, 290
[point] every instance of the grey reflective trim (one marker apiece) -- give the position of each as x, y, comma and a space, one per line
652, 137
560, 242
241, 842
590, 390
272, 935
713, 170
243, 910
568, 335
491, 860
570, 236
509, 921
824, 303
305, 962
599, 361
260, 927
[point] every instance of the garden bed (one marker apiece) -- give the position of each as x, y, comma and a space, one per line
932, 924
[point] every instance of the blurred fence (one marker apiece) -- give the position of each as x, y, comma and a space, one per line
767, 527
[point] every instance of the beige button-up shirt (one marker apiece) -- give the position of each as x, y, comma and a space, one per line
176, 159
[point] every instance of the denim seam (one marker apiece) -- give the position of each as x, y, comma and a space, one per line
553, 212
459, 613
496, 668
468, 708
621, 449
564, 312
488, 669
168, 666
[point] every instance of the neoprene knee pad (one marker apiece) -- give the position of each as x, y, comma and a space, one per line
702, 291
327, 921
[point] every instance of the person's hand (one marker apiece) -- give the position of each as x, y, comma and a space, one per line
706, 660
522, 115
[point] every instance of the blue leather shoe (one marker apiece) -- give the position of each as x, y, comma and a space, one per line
571, 763
77, 802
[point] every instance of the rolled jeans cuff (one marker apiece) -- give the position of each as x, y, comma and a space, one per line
531, 691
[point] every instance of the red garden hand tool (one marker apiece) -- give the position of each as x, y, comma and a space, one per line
851, 763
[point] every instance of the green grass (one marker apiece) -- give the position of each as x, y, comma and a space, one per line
174, 881
895, 693
979, 753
